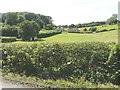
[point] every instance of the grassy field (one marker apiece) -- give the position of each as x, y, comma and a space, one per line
110, 36
99, 28
107, 36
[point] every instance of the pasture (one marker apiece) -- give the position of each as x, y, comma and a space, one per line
102, 27
109, 36
38, 52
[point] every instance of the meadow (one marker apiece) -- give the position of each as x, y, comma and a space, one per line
109, 36
106, 36
102, 27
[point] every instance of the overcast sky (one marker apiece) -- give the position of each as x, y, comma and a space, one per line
64, 11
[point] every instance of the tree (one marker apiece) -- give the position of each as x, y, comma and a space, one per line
14, 18
0, 17
112, 20
93, 29
10, 18
49, 26
21, 18
28, 30
8, 30
79, 25
72, 26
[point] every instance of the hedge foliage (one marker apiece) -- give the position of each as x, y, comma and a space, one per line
48, 33
8, 39
95, 61
8, 30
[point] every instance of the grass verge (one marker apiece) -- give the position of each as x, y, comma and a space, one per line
38, 83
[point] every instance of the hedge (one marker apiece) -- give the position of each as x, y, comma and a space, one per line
48, 33
10, 30
95, 61
8, 39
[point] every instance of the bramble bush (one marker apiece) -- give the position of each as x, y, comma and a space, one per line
95, 61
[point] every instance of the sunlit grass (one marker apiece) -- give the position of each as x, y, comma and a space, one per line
110, 36
60, 83
99, 28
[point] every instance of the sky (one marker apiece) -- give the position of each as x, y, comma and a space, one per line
64, 11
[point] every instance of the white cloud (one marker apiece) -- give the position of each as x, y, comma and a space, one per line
64, 11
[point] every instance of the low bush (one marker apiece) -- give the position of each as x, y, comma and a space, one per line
48, 33
95, 61
93, 29
113, 29
85, 29
10, 30
103, 30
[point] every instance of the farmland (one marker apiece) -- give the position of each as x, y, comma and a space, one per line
110, 36
56, 37
65, 43
102, 27
35, 50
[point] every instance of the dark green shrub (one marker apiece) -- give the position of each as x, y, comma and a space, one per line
9, 30
113, 64
95, 61
103, 30
93, 29
112, 29
84, 29
48, 33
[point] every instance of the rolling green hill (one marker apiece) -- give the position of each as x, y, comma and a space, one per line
109, 36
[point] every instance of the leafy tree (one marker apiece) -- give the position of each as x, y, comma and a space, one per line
0, 17
85, 29
30, 16
79, 25
8, 30
49, 26
93, 29
46, 19
10, 18
28, 30
14, 18
112, 20
65, 26
72, 26
20, 18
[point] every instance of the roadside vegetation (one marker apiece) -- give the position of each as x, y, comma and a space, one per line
42, 83
37, 52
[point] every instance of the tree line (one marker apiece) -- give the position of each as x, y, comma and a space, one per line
24, 24
27, 25
112, 20
14, 18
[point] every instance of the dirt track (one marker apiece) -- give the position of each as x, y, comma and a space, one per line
4, 84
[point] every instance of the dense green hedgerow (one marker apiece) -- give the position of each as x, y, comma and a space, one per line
8, 39
11, 31
95, 61
48, 33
